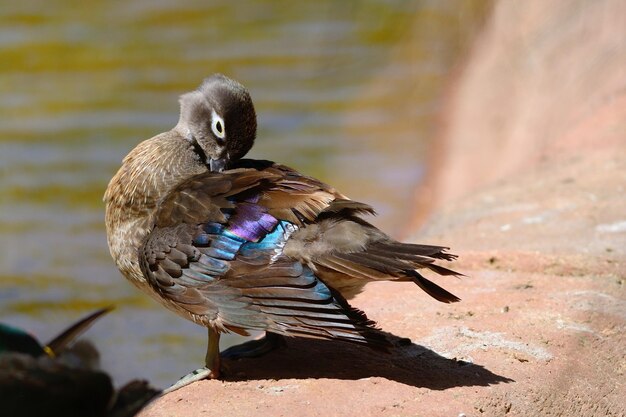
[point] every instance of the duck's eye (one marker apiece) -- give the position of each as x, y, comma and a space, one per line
217, 126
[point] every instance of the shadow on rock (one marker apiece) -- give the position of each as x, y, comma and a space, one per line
406, 363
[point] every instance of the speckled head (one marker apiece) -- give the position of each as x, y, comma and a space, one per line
219, 120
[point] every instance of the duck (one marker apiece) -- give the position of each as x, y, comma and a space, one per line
14, 340
239, 245
61, 377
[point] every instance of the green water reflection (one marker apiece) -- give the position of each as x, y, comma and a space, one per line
346, 91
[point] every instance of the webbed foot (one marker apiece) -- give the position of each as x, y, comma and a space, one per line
197, 375
212, 367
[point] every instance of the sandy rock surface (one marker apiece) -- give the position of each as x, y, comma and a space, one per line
531, 193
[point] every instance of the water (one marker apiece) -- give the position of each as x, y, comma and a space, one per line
345, 91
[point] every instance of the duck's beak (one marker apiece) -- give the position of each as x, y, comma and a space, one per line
218, 165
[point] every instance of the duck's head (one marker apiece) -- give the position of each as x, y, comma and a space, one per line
219, 120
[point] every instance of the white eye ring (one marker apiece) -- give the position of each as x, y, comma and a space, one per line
217, 125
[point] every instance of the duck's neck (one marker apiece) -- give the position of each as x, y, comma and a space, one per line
148, 173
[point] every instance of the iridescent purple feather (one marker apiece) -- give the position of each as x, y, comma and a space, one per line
251, 222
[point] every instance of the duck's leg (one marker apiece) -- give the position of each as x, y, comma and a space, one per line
255, 348
212, 358
211, 369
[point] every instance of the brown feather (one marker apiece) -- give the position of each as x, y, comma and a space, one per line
433, 289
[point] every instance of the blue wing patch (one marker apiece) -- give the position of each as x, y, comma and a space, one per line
219, 245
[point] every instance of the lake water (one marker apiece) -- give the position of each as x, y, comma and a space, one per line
346, 91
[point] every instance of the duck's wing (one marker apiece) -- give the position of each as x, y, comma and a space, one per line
215, 251
340, 246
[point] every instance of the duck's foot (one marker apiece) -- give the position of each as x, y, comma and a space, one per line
197, 375
212, 367
255, 348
